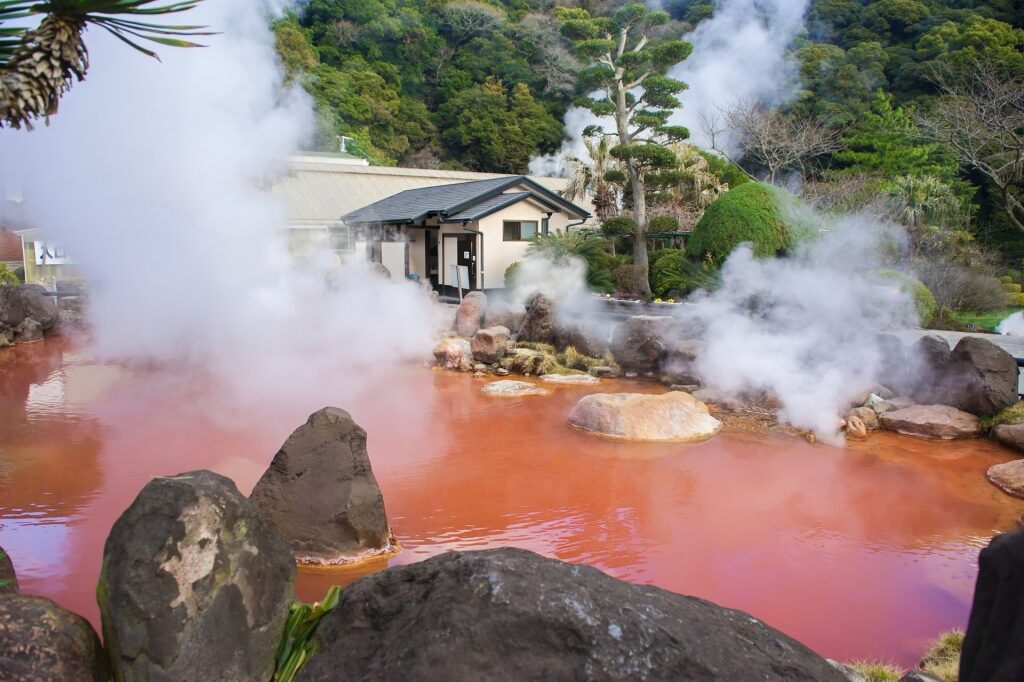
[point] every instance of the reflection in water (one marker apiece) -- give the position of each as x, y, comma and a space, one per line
867, 551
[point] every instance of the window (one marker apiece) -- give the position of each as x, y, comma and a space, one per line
520, 231
340, 237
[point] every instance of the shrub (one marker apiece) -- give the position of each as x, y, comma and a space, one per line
1015, 300
662, 223
1011, 288
924, 303
629, 278
7, 276
510, 274
559, 246
1014, 275
770, 218
667, 273
1005, 279
617, 225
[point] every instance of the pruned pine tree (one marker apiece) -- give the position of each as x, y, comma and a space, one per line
627, 67
38, 65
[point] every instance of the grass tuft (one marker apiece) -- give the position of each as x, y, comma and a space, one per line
877, 671
943, 658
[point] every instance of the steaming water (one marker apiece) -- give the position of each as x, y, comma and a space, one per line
867, 551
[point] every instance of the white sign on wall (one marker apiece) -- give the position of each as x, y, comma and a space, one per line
49, 253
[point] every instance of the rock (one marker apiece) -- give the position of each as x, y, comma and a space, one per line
539, 325
8, 578
726, 402
320, 494
194, 583
850, 674
986, 376
1010, 435
480, 368
866, 415
506, 388
932, 421
18, 301
6, 336
454, 353
501, 372
918, 676
470, 313
892, 404
586, 339
1008, 477
41, 641
585, 379
28, 331
641, 343
895, 365
509, 614
992, 645
601, 371
489, 345
685, 388
508, 315
671, 417
856, 428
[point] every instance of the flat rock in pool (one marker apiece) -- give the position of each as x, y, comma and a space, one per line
1009, 477
674, 417
507, 388
511, 615
940, 422
570, 379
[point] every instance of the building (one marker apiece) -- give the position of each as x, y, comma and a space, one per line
463, 234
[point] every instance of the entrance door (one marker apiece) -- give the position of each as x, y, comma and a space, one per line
467, 257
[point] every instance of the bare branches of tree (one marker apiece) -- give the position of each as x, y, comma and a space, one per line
980, 115
468, 18
766, 137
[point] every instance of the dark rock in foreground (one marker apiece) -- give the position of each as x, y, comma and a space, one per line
641, 343
41, 641
988, 375
320, 493
509, 614
194, 584
993, 647
26, 313
539, 325
8, 578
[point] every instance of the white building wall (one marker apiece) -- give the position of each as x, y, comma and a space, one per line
498, 253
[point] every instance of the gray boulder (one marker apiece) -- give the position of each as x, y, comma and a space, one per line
502, 314
539, 325
18, 301
489, 345
992, 645
470, 313
28, 331
320, 493
194, 584
642, 343
939, 422
8, 578
586, 339
41, 641
987, 375
509, 614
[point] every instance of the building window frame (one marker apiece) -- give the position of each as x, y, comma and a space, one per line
512, 230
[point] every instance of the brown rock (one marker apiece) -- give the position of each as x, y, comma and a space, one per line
489, 345
866, 415
1008, 477
856, 428
643, 342
932, 421
508, 388
41, 641
539, 325
454, 353
1010, 435
470, 313
320, 493
672, 417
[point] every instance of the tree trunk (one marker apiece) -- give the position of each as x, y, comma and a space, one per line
640, 236
1012, 206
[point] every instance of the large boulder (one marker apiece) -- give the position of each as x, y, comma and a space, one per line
511, 615
489, 345
28, 331
20, 301
194, 584
992, 645
502, 314
41, 641
674, 417
1008, 477
8, 578
539, 325
470, 314
587, 339
940, 422
641, 343
1010, 435
320, 493
454, 353
987, 375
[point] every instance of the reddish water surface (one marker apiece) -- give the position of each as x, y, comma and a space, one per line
867, 551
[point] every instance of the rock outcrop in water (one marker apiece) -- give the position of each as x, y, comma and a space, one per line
489, 344
1008, 477
674, 417
194, 584
26, 313
992, 648
940, 422
507, 388
539, 325
1010, 435
640, 344
470, 314
509, 614
977, 376
454, 353
41, 641
8, 578
320, 493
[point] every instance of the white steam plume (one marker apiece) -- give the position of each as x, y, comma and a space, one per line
805, 328
153, 176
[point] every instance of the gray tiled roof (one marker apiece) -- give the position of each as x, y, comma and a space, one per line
457, 202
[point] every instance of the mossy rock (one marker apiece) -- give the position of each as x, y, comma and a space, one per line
924, 302
1014, 414
770, 218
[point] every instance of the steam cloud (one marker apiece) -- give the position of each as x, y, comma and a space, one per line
153, 176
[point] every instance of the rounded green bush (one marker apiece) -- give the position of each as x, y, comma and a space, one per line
770, 218
1005, 279
662, 223
8, 276
1015, 300
924, 302
1012, 288
617, 225
1014, 275
667, 273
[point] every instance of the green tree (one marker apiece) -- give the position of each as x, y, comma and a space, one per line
627, 64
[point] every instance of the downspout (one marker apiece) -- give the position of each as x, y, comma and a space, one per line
481, 235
